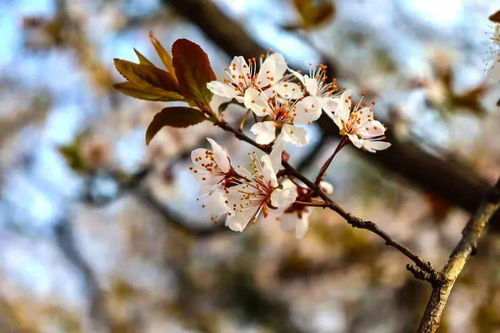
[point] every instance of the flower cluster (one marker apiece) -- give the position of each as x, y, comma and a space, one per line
282, 102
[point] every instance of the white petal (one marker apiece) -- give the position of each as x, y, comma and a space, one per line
343, 106
239, 220
276, 153
336, 119
287, 183
199, 157
222, 89
220, 156
215, 203
239, 69
267, 170
311, 85
292, 221
326, 187
373, 146
265, 132
257, 102
357, 142
289, 221
288, 90
241, 209
307, 110
297, 74
272, 70
302, 225
329, 104
295, 135
283, 197
216, 102
371, 129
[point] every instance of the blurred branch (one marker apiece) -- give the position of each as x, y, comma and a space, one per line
65, 240
37, 110
453, 182
133, 184
175, 219
471, 235
313, 154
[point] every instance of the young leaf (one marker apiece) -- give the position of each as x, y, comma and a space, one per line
193, 70
142, 59
130, 89
165, 58
145, 75
314, 13
495, 17
177, 116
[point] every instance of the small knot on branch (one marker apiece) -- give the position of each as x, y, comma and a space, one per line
427, 274
419, 273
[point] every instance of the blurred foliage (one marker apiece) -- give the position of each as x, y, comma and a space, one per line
313, 14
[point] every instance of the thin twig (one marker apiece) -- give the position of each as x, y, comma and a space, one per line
433, 276
454, 182
176, 220
471, 235
99, 313
325, 166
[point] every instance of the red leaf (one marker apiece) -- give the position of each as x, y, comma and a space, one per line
177, 116
193, 70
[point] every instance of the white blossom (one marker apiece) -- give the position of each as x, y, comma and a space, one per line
259, 195
213, 168
316, 86
281, 115
359, 124
242, 75
296, 217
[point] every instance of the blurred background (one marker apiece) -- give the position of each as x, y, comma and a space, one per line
99, 233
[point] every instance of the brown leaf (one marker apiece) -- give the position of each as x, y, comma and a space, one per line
314, 13
177, 116
471, 99
193, 71
165, 58
142, 59
149, 79
495, 17
130, 89
140, 74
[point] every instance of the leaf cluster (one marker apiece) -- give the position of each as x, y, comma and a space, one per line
186, 72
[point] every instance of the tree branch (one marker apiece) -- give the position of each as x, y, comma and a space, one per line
472, 233
431, 276
453, 182
97, 307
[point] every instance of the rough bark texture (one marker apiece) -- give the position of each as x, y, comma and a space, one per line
458, 258
455, 183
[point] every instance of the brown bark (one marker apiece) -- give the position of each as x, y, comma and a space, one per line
458, 258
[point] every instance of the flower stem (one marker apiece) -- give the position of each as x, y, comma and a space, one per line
322, 171
312, 203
